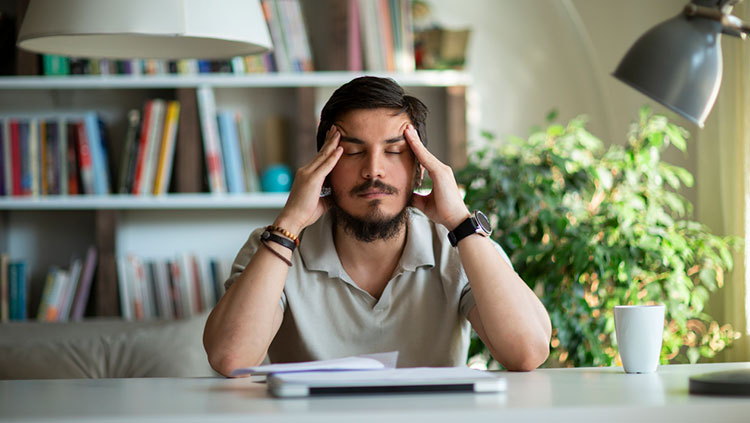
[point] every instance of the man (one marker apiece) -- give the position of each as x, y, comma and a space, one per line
376, 269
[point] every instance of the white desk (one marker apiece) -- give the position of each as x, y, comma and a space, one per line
553, 395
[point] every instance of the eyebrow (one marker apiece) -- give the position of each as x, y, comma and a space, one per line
354, 140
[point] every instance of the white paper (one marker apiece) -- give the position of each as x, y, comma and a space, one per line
379, 361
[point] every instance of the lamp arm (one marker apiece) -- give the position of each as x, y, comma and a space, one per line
732, 25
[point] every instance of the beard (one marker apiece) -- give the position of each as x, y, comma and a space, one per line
374, 225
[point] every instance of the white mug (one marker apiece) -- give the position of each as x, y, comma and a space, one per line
639, 331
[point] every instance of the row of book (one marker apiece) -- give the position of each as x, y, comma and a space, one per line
13, 289
66, 291
228, 148
62, 154
169, 288
55, 65
378, 34
148, 153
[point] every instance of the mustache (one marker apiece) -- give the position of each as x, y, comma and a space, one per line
373, 183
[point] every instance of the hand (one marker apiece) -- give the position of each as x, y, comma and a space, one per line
304, 205
444, 204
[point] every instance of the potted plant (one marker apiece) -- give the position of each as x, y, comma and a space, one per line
589, 228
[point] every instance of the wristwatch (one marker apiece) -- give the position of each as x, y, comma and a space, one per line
477, 223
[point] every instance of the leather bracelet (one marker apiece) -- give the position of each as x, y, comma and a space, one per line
283, 232
276, 253
284, 242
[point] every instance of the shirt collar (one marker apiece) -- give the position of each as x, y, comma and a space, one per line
318, 251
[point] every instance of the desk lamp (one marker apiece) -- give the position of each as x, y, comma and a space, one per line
162, 29
678, 63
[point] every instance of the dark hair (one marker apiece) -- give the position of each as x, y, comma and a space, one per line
370, 92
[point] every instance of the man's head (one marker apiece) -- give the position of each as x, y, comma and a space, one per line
372, 182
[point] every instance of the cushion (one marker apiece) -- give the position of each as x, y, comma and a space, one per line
103, 349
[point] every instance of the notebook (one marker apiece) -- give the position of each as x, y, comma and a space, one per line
419, 379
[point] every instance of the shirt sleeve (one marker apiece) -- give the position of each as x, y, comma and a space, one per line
243, 258
467, 301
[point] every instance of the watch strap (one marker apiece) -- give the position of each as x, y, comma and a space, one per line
284, 242
466, 228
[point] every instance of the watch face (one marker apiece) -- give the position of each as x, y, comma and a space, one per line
483, 221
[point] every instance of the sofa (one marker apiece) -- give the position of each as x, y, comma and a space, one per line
103, 348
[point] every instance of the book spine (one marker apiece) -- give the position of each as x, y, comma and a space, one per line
7, 158
4, 289
123, 283
23, 130
74, 187
3, 141
84, 158
212, 148
16, 156
99, 158
156, 125
386, 35
50, 163
62, 145
84, 285
131, 153
176, 288
166, 155
17, 287
49, 286
34, 168
43, 156
74, 275
280, 53
248, 154
231, 148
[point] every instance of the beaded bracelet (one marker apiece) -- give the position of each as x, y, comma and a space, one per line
283, 232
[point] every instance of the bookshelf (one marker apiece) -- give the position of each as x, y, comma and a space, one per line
46, 230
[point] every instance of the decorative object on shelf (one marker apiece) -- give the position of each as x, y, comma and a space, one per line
589, 229
679, 63
277, 178
165, 29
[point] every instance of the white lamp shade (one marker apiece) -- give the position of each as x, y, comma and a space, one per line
158, 29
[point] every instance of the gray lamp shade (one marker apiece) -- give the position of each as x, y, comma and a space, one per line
678, 64
158, 29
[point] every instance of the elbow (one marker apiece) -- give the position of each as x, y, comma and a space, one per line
531, 358
526, 356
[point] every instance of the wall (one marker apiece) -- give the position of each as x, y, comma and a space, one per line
527, 58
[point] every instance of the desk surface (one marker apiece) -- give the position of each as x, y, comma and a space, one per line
582, 394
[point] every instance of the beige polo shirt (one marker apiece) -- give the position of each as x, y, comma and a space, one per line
422, 312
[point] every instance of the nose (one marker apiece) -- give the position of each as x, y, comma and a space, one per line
373, 165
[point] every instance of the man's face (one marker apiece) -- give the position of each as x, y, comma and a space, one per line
374, 178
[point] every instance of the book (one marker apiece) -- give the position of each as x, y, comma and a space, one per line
99, 159
74, 276
150, 148
15, 154
211, 142
73, 176
62, 158
35, 185
164, 302
85, 159
124, 288
18, 286
249, 160
129, 153
280, 52
44, 304
84, 285
232, 154
166, 153
3, 142
4, 288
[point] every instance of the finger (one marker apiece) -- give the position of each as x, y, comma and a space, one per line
423, 155
330, 162
332, 142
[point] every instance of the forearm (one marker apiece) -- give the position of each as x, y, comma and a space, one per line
241, 327
516, 325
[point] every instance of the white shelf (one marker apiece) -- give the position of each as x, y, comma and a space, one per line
309, 79
129, 202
